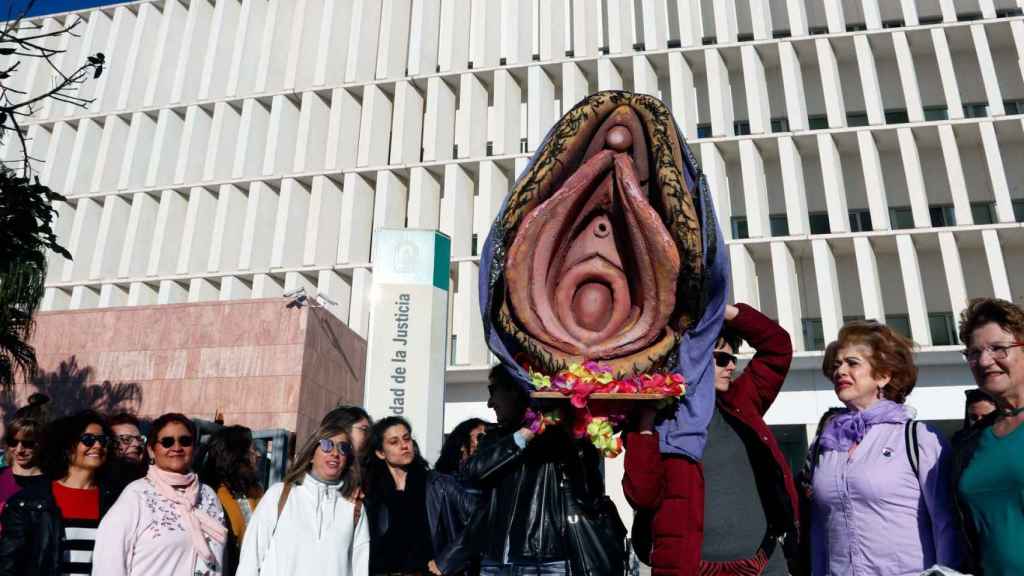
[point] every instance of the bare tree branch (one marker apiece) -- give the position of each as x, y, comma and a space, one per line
26, 159
21, 40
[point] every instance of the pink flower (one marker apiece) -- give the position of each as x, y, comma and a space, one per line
626, 387
581, 391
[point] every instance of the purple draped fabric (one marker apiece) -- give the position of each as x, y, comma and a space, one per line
848, 428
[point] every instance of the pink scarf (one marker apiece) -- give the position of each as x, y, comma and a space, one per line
198, 523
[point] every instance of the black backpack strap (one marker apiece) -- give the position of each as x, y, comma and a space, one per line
913, 450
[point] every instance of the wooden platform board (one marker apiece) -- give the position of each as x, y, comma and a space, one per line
601, 396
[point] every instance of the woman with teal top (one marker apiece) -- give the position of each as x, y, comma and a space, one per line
988, 467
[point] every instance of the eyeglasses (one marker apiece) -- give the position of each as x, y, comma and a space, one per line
89, 440
327, 446
997, 351
723, 359
26, 444
183, 441
129, 439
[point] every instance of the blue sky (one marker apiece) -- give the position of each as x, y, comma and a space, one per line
54, 6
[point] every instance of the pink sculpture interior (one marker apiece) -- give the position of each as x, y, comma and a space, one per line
592, 272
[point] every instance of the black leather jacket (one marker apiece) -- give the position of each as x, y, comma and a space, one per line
520, 517
450, 505
392, 551
33, 532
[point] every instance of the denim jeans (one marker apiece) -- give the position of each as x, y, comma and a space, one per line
541, 569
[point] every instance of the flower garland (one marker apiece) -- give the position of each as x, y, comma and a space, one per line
599, 423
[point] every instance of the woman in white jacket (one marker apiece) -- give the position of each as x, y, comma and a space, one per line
312, 523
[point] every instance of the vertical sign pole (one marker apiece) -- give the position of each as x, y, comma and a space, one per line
406, 352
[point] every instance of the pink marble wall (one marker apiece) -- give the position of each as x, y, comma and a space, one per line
260, 363
333, 366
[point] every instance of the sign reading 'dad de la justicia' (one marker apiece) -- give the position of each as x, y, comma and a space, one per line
408, 331
400, 355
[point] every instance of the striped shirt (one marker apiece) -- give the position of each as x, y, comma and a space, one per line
80, 513
79, 540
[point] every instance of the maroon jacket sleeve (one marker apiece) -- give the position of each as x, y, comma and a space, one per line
762, 379
642, 481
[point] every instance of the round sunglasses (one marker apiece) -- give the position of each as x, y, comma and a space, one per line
183, 441
327, 446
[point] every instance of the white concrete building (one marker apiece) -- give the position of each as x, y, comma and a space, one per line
866, 156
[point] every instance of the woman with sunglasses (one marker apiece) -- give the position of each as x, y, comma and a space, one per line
396, 501
51, 528
21, 448
727, 513
354, 420
21, 440
879, 481
312, 522
988, 471
167, 523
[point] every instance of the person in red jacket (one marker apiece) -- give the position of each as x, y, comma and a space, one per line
730, 513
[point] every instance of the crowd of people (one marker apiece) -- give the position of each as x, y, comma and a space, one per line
87, 494
880, 493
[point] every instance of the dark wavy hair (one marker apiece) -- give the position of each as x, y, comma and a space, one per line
61, 439
460, 439
228, 462
375, 469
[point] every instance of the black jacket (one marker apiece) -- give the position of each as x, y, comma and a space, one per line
520, 517
964, 446
450, 505
33, 531
399, 538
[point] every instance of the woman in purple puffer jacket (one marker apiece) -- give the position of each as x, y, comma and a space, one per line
880, 481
